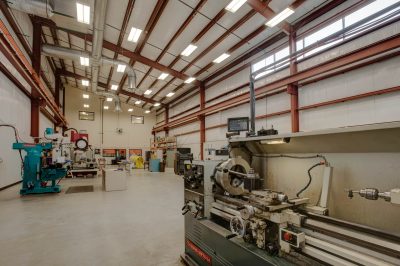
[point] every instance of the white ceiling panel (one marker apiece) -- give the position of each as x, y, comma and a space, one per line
114, 18
151, 52
168, 24
140, 15
195, 26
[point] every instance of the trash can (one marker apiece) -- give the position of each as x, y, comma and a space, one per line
162, 166
154, 165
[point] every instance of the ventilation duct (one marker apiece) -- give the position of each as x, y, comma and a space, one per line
99, 21
117, 101
41, 8
73, 54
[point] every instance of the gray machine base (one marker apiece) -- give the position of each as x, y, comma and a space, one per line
212, 247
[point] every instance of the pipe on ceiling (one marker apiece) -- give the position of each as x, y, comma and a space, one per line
67, 53
41, 8
100, 8
72, 54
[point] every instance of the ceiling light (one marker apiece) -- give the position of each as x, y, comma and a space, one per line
85, 82
114, 87
109, 99
189, 80
280, 17
157, 104
84, 61
234, 5
105, 107
221, 58
86, 105
86, 96
275, 141
170, 94
134, 34
130, 109
121, 68
83, 13
138, 102
147, 92
189, 50
163, 76
147, 111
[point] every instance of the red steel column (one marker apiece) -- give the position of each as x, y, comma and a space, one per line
166, 119
292, 89
35, 100
202, 120
57, 88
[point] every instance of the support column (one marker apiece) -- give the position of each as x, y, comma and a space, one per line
166, 120
292, 89
57, 88
202, 120
35, 100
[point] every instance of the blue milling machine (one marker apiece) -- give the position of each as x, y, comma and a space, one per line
39, 176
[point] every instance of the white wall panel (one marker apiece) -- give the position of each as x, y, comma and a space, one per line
133, 136
15, 109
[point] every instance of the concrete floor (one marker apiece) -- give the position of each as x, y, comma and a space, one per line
140, 226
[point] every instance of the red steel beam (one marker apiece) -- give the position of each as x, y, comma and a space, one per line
127, 16
155, 16
351, 98
293, 89
211, 47
120, 50
268, 13
209, 25
342, 61
176, 35
104, 85
184, 25
13, 53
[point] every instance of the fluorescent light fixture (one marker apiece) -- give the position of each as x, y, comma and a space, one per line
86, 105
83, 13
138, 102
147, 111
114, 87
85, 82
189, 80
85, 96
84, 113
170, 94
221, 58
138, 118
84, 61
130, 109
280, 17
105, 107
134, 34
157, 104
189, 50
109, 99
148, 92
121, 68
275, 141
163, 76
234, 5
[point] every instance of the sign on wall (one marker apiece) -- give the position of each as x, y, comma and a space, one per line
137, 152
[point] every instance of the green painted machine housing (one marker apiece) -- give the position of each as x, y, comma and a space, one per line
36, 176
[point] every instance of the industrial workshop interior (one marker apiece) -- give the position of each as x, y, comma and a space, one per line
199, 132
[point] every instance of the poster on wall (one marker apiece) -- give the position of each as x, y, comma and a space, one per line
109, 152
137, 152
121, 153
